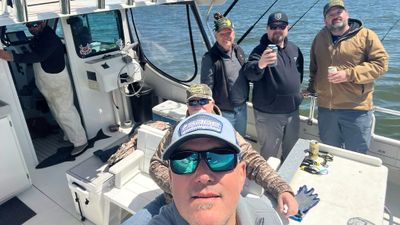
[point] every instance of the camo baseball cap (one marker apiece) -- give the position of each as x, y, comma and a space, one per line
198, 91
331, 4
221, 22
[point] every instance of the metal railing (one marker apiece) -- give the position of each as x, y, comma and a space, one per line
387, 111
65, 6
21, 10
21, 7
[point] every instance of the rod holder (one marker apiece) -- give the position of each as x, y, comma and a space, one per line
21, 10
65, 6
101, 4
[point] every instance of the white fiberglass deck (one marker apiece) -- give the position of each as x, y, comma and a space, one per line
51, 199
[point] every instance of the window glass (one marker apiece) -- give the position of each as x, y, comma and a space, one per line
58, 29
18, 27
165, 39
96, 33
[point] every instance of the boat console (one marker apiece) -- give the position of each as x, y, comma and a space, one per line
111, 72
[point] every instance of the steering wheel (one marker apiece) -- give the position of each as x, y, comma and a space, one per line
3, 36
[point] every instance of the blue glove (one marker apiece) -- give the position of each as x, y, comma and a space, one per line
306, 200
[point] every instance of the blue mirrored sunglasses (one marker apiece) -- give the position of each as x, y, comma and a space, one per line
196, 102
217, 159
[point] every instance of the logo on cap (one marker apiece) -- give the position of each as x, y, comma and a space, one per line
278, 16
203, 122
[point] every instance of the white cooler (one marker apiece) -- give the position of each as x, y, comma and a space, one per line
87, 182
169, 111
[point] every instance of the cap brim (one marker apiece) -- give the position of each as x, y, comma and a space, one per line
334, 6
174, 146
277, 21
199, 96
224, 27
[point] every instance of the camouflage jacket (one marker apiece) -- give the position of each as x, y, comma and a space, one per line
257, 168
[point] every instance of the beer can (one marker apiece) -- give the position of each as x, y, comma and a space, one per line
314, 149
332, 69
275, 49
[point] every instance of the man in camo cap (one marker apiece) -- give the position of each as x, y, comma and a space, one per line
199, 99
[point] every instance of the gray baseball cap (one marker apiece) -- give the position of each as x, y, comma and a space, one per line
202, 125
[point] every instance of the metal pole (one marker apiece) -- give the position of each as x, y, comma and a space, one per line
130, 2
21, 10
65, 6
101, 4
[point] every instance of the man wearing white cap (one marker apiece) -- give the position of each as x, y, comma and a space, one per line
207, 176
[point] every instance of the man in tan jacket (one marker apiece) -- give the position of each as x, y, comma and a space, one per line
355, 58
199, 99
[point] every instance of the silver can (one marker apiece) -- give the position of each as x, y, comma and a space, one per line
332, 69
275, 49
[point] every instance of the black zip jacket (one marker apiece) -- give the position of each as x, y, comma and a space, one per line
223, 85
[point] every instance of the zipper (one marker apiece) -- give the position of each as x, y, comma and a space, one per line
330, 84
331, 92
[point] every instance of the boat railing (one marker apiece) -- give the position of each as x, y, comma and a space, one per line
21, 7
65, 6
387, 111
312, 119
24, 12
21, 10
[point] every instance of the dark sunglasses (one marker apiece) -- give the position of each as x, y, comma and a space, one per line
217, 159
276, 26
32, 25
196, 102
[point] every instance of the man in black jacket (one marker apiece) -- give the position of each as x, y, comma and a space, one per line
220, 70
276, 94
52, 80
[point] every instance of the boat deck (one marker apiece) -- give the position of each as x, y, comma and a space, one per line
51, 198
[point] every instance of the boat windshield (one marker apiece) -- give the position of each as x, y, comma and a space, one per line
164, 32
96, 33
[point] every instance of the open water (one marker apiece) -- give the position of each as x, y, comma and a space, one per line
377, 15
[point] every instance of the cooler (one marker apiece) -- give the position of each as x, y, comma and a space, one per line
169, 111
87, 182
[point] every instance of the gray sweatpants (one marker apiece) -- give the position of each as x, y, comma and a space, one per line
276, 130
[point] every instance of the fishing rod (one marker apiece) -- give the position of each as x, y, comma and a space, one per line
252, 26
390, 29
230, 8
304, 14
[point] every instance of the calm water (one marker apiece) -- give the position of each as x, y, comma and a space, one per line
376, 15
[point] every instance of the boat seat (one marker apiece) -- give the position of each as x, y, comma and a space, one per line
251, 188
134, 187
